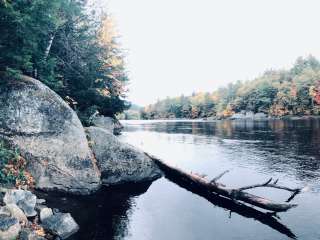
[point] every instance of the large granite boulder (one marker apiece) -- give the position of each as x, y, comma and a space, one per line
49, 135
120, 162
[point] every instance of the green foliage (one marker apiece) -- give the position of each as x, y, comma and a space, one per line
59, 43
10, 158
276, 93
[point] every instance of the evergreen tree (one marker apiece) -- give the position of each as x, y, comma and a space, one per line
59, 43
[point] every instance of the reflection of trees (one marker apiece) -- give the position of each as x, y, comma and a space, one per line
101, 216
285, 145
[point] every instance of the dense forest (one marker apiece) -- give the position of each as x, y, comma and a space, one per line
70, 46
276, 93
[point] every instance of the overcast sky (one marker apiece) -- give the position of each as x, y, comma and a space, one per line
180, 46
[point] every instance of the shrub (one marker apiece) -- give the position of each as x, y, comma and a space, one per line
12, 168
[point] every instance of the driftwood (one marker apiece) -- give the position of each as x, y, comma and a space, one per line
267, 218
234, 194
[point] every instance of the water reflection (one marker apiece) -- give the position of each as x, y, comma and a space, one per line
274, 145
104, 215
266, 218
255, 151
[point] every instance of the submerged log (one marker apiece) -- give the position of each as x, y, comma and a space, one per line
235, 194
234, 207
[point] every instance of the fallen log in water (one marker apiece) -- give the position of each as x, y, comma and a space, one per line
267, 218
235, 194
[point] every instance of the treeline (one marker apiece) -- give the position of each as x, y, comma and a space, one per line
69, 47
276, 93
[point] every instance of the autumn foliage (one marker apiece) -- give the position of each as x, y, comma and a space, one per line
276, 93
13, 168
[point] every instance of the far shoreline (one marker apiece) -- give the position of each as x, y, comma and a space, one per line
211, 119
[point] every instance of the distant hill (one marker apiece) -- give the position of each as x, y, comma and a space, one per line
276, 93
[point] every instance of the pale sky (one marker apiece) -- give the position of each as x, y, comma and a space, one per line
180, 46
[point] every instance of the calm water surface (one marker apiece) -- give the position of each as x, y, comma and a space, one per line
253, 151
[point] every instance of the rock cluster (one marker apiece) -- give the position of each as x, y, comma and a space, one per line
51, 138
249, 115
23, 217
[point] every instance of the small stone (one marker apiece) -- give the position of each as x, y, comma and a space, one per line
9, 227
39, 207
14, 211
56, 210
41, 201
61, 224
3, 190
23, 199
45, 213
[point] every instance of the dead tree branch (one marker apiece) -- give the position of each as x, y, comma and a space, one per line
231, 193
214, 180
295, 191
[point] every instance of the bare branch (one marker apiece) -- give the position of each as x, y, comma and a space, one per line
274, 185
219, 176
293, 195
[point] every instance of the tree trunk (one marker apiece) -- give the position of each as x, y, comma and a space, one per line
220, 189
47, 52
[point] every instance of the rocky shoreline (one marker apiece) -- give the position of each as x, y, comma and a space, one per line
23, 216
61, 156
246, 116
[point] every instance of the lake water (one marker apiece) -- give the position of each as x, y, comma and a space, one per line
253, 150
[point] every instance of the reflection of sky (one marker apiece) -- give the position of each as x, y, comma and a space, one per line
267, 146
169, 212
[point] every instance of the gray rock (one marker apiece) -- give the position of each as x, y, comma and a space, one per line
117, 127
110, 124
103, 122
14, 211
260, 116
41, 201
9, 228
238, 116
45, 213
39, 207
25, 200
248, 115
120, 162
61, 224
49, 135
27, 234
56, 210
